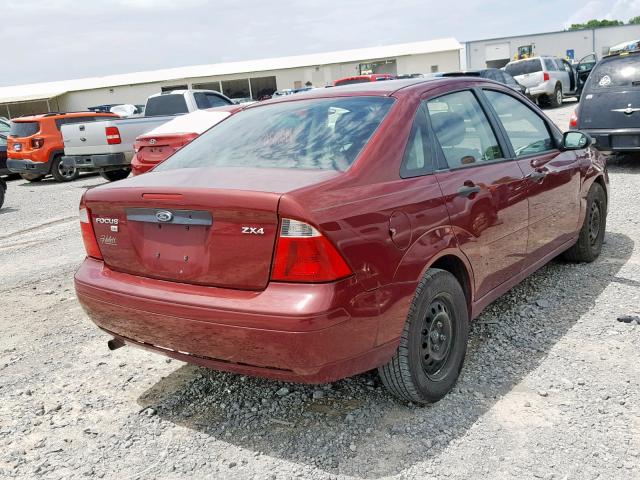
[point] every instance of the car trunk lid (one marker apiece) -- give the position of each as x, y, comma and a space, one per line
610, 109
155, 149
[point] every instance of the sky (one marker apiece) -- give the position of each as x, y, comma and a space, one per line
48, 40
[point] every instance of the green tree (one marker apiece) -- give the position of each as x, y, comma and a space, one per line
635, 20
596, 24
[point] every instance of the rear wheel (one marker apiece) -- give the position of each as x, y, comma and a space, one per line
32, 177
115, 175
433, 343
556, 99
2, 190
591, 236
61, 172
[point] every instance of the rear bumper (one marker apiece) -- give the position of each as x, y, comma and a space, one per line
604, 139
291, 332
545, 88
107, 161
28, 166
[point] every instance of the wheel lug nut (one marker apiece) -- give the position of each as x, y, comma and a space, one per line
436, 348
443, 338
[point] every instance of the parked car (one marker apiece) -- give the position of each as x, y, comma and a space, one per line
156, 146
492, 74
3, 191
35, 147
609, 110
107, 147
290, 91
5, 126
375, 77
549, 79
4, 170
139, 109
311, 239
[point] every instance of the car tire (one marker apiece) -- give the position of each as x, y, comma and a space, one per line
591, 236
61, 173
2, 190
115, 175
556, 99
433, 343
32, 177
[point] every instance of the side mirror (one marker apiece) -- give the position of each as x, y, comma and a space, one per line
575, 140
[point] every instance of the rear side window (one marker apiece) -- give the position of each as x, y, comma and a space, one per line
24, 129
169, 104
323, 134
550, 65
417, 155
527, 132
463, 130
209, 100
523, 67
615, 74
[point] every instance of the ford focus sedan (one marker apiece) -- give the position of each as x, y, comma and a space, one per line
321, 235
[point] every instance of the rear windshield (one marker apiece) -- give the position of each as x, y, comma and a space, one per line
24, 129
325, 134
524, 67
615, 73
168, 104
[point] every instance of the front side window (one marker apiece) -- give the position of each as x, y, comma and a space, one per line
527, 132
463, 130
323, 134
417, 155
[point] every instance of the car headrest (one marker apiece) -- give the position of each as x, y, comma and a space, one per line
348, 123
449, 128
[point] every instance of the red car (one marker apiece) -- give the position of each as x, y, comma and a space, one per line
156, 146
317, 236
375, 77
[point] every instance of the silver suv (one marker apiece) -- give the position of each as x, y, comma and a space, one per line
549, 79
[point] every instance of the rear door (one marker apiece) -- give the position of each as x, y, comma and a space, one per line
482, 188
552, 177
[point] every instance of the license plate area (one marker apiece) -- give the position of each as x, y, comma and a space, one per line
17, 147
625, 141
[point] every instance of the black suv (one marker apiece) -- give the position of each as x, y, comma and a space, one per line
609, 108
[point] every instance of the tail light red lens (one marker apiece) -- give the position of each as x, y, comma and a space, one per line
37, 142
88, 235
546, 77
573, 120
304, 255
113, 135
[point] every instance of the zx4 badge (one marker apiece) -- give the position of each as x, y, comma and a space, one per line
253, 230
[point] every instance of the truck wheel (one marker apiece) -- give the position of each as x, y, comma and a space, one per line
556, 99
62, 173
433, 343
32, 177
591, 236
115, 175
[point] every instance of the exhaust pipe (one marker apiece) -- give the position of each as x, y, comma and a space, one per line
115, 343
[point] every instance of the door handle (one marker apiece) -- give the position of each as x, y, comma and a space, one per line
536, 176
468, 190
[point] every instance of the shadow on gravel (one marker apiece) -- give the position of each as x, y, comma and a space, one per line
354, 426
624, 163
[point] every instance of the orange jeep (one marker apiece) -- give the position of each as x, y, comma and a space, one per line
35, 147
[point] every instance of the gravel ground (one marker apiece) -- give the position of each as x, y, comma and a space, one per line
550, 388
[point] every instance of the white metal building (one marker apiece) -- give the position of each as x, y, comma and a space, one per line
497, 52
238, 79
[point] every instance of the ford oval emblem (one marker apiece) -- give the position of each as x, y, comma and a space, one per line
164, 216
153, 141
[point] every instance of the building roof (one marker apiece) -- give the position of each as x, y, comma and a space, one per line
51, 89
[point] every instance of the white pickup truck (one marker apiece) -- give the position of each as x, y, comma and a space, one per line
107, 146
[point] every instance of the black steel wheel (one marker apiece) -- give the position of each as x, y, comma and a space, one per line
591, 236
433, 343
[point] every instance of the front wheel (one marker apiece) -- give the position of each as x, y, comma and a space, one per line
115, 175
32, 177
61, 172
433, 344
591, 236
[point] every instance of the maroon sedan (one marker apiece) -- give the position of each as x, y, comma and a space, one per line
325, 234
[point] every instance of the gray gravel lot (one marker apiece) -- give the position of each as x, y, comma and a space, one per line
550, 388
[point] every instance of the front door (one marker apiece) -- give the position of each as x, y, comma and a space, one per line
483, 192
552, 177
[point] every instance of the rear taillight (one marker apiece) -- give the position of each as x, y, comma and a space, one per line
305, 255
37, 142
573, 120
88, 235
546, 77
113, 135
